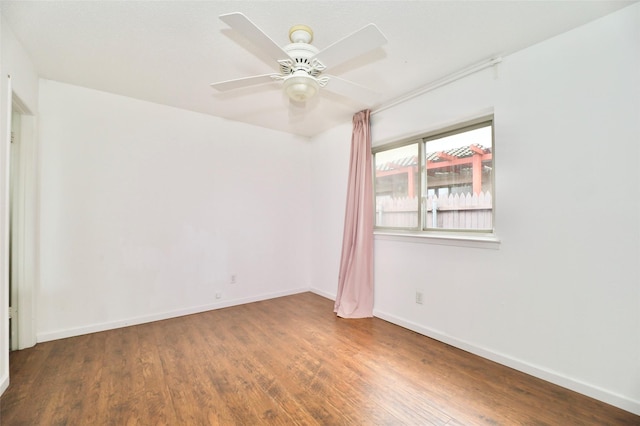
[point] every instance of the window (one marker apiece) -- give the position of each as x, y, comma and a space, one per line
442, 181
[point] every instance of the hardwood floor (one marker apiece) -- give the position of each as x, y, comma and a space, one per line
281, 361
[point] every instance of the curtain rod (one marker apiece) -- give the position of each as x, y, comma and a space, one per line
438, 83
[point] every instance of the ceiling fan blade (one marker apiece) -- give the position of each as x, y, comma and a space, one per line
238, 83
249, 30
358, 43
351, 90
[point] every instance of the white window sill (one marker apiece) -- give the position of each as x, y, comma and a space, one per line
487, 241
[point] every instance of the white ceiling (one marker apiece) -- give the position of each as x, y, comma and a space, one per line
169, 51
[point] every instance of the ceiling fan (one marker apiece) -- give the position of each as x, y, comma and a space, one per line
301, 65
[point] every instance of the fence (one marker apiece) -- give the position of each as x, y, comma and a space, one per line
455, 211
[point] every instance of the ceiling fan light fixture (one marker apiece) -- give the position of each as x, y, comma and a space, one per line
300, 86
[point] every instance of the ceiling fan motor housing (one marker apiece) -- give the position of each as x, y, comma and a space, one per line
300, 71
302, 58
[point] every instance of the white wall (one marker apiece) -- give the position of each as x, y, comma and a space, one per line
560, 298
330, 170
14, 61
147, 210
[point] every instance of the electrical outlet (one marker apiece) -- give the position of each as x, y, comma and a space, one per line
234, 279
419, 297
218, 295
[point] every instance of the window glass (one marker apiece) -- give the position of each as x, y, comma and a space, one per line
397, 187
443, 181
458, 182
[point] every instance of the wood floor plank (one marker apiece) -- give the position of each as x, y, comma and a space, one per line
279, 362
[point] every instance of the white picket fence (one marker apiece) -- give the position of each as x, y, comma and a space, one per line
456, 211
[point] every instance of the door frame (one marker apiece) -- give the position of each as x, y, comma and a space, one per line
24, 224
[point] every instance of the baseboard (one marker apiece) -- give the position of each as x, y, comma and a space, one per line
541, 373
4, 383
94, 328
323, 293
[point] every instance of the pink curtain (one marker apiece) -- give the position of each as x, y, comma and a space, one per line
355, 282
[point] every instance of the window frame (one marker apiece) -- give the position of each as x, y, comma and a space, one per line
472, 237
